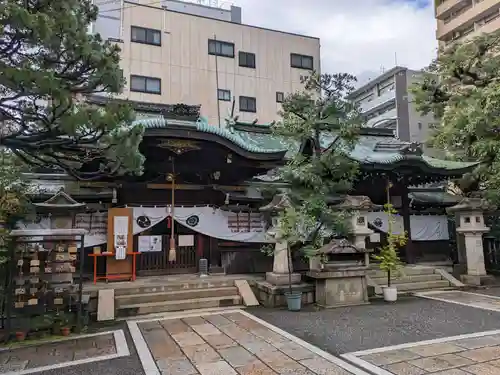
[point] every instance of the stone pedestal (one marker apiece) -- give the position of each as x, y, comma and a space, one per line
280, 274
470, 225
271, 293
342, 287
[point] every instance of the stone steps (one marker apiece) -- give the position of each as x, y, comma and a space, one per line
419, 286
176, 295
407, 279
406, 271
169, 297
172, 287
411, 279
178, 305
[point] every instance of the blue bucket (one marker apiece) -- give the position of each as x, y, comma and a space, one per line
294, 300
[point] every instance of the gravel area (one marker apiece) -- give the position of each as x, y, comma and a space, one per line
491, 291
130, 365
349, 329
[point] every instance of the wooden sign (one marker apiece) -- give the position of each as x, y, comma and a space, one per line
124, 212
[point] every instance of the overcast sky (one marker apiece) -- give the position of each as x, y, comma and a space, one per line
357, 36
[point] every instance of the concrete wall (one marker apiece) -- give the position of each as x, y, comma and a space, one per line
188, 72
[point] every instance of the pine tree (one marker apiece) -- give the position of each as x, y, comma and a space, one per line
49, 63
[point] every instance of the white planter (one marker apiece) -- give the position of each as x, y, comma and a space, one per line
390, 293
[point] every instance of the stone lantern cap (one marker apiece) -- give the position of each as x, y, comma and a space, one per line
279, 203
471, 204
340, 246
359, 203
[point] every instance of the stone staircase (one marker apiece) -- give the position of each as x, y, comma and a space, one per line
414, 279
189, 295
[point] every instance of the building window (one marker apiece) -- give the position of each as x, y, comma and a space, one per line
146, 36
248, 104
219, 48
301, 61
224, 95
280, 97
148, 85
247, 59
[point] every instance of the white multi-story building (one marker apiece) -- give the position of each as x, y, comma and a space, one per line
180, 52
386, 102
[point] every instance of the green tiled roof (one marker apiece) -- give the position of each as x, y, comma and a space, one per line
252, 142
370, 148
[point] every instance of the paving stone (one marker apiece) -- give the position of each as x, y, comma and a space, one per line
257, 346
296, 351
404, 368
454, 371
4, 357
194, 320
94, 352
285, 364
236, 317
177, 367
238, 356
482, 369
322, 366
201, 354
478, 342
435, 349
272, 356
236, 333
150, 326
220, 341
53, 357
175, 326
302, 371
104, 341
257, 368
495, 363
488, 353
165, 349
216, 368
13, 366
249, 324
441, 362
206, 329
188, 339
391, 356
218, 320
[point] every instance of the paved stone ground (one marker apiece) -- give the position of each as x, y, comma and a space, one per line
380, 324
128, 365
228, 344
465, 356
478, 300
56, 353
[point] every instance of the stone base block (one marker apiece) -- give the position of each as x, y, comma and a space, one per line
216, 270
282, 278
270, 295
341, 291
477, 280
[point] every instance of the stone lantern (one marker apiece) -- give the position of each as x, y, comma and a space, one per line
470, 225
360, 206
279, 275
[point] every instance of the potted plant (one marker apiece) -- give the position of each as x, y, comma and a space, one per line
389, 259
61, 324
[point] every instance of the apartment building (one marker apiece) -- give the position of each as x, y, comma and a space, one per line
386, 102
462, 19
180, 52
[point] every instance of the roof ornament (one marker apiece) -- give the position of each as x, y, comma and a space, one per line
412, 148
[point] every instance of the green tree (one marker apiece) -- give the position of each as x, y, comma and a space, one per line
325, 124
49, 63
462, 88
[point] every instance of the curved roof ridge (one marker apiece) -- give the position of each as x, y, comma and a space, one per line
203, 126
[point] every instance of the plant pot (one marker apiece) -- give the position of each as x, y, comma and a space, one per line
390, 293
20, 336
65, 331
294, 301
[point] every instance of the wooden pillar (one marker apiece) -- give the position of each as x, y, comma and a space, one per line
405, 207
